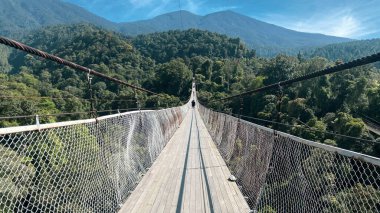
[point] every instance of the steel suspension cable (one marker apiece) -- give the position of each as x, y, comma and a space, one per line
73, 113
62, 98
300, 126
34, 51
311, 129
352, 64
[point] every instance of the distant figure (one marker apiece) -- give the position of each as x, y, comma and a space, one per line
193, 103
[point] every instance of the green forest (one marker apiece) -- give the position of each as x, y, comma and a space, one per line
166, 62
320, 109
347, 51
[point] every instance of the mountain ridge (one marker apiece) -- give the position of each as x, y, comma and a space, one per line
255, 33
20, 16
17, 17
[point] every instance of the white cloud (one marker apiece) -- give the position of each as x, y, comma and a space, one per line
192, 6
224, 8
160, 9
174, 5
140, 3
343, 24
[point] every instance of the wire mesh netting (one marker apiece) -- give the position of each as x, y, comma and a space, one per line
85, 167
278, 172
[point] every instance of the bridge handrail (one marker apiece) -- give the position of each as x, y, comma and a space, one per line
279, 172
333, 149
18, 129
88, 165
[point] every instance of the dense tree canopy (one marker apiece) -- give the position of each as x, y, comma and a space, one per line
166, 62
347, 51
165, 46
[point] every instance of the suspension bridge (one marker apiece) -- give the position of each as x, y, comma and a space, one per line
181, 159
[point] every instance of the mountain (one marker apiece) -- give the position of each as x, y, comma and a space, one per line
265, 38
18, 16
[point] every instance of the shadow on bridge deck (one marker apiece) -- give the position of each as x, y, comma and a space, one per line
188, 176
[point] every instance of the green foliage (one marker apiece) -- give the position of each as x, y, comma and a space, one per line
166, 63
58, 155
308, 105
174, 78
267, 209
104, 51
15, 178
17, 18
162, 101
13, 86
373, 102
165, 46
347, 51
359, 198
4, 64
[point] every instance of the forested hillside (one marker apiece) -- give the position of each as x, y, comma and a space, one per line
104, 51
347, 51
18, 17
164, 62
267, 39
330, 103
169, 45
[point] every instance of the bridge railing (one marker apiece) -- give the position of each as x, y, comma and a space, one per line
81, 166
278, 172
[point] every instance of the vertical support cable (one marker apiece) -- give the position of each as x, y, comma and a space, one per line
38, 122
240, 107
138, 104
180, 14
92, 100
280, 94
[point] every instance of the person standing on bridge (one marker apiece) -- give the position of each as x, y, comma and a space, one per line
193, 103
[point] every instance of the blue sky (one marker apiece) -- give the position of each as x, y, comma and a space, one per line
359, 19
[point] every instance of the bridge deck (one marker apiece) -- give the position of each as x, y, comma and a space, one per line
188, 176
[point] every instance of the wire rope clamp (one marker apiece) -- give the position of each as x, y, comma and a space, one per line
232, 178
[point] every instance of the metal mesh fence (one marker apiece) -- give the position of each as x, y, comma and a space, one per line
89, 166
278, 172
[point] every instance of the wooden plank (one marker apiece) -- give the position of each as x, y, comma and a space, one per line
218, 180
175, 175
138, 197
159, 189
181, 142
192, 177
186, 195
158, 182
166, 185
199, 202
218, 200
234, 194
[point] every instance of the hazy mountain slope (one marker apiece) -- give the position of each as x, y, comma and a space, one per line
18, 16
161, 23
264, 37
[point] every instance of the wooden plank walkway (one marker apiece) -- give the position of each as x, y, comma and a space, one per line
188, 176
